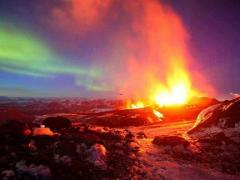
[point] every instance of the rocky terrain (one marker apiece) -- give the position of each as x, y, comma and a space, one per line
125, 144
66, 153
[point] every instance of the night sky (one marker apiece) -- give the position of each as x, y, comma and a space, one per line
81, 47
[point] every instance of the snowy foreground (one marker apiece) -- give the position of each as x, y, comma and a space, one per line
126, 144
103, 153
159, 164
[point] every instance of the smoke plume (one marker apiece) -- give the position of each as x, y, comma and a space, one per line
145, 43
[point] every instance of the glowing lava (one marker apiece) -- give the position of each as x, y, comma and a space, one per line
177, 91
158, 114
137, 105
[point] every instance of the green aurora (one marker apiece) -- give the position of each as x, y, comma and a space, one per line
23, 53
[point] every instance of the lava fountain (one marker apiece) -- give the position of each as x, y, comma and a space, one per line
177, 91
159, 62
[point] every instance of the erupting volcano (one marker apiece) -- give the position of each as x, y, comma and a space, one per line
156, 62
178, 91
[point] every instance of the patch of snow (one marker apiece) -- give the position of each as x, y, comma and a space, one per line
32, 146
205, 114
206, 132
97, 129
172, 170
158, 165
39, 172
81, 148
237, 125
97, 156
232, 133
62, 159
7, 174
222, 122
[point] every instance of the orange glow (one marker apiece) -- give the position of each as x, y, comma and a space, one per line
148, 56
140, 104
159, 63
177, 91
80, 16
137, 105
158, 114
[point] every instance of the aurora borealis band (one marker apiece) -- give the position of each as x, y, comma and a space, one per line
86, 47
24, 54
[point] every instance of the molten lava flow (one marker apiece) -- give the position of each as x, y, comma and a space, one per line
177, 91
158, 114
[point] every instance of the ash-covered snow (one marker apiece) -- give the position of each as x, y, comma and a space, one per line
205, 114
213, 158
7, 174
223, 117
34, 171
62, 159
87, 152
167, 162
98, 156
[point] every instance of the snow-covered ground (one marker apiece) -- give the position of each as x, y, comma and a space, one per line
129, 145
159, 165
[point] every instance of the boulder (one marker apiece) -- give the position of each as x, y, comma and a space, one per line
33, 171
7, 174
57, 123
170, 141
222, 117
123, 118
217, 135
43, 141
97, 156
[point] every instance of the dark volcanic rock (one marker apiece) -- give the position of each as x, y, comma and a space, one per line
123, 118
216, 135
12, 127
87, 153
43, 141
170, 141
175, 146
57, 123
217, 118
